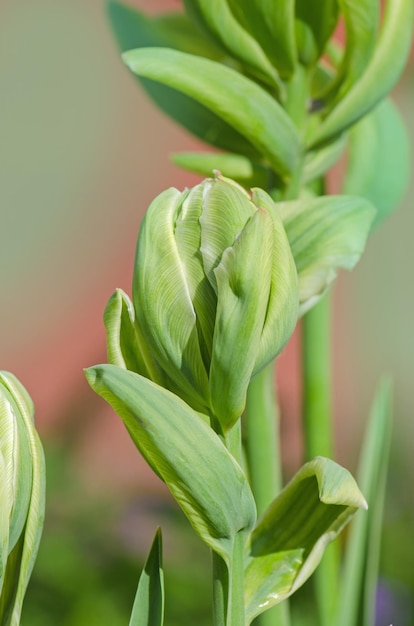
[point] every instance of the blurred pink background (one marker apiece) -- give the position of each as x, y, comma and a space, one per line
82, 153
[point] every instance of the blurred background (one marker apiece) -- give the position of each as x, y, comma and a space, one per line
82, 154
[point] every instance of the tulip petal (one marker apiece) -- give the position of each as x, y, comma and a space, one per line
162, 300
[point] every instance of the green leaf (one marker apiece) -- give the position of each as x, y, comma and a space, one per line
361, 18
290, 538
235, 166
133, 29
243, 285
272, 25
385, 66
325, 234
237, 100
315, 22
359, 579
201, 474
379, 162
31, 468
219, 22
148, 609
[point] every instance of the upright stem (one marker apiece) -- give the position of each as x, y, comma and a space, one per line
262, 447
228, 581
318, 435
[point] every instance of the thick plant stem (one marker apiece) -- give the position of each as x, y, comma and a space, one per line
318, 435
263, 460
228, 582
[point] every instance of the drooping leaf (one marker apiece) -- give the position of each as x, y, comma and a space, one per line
325, 234
359, 579
219, 22
21, 558
315, 22
148, 609
290, 538
133, 29
385, 66
240, 102
272, 25
186, 453
379, 163
235, 166
243, 285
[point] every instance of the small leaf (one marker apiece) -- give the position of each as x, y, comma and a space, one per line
360, 572
186, 453
235, 166
272, 25
386, 64
133, 29
315, 22
240, 102
290, 538
379, 159
219, 22
148, 609
325, 234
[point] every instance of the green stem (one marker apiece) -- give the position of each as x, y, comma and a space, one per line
318, 435
262, 447
228, 581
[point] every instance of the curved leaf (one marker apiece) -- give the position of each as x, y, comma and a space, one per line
386, 64
361, 25
219, 22
237, 100
290, 538
201, 474
133, 29
325, 234
315, 22
379, 163
318, 162
272, 25
148, 609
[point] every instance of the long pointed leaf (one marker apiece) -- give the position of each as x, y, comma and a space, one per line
201, 474
148, 609
315, 22
237, 100
361, 558
133, 29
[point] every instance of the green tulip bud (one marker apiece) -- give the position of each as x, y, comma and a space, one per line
22, 496
215, 292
